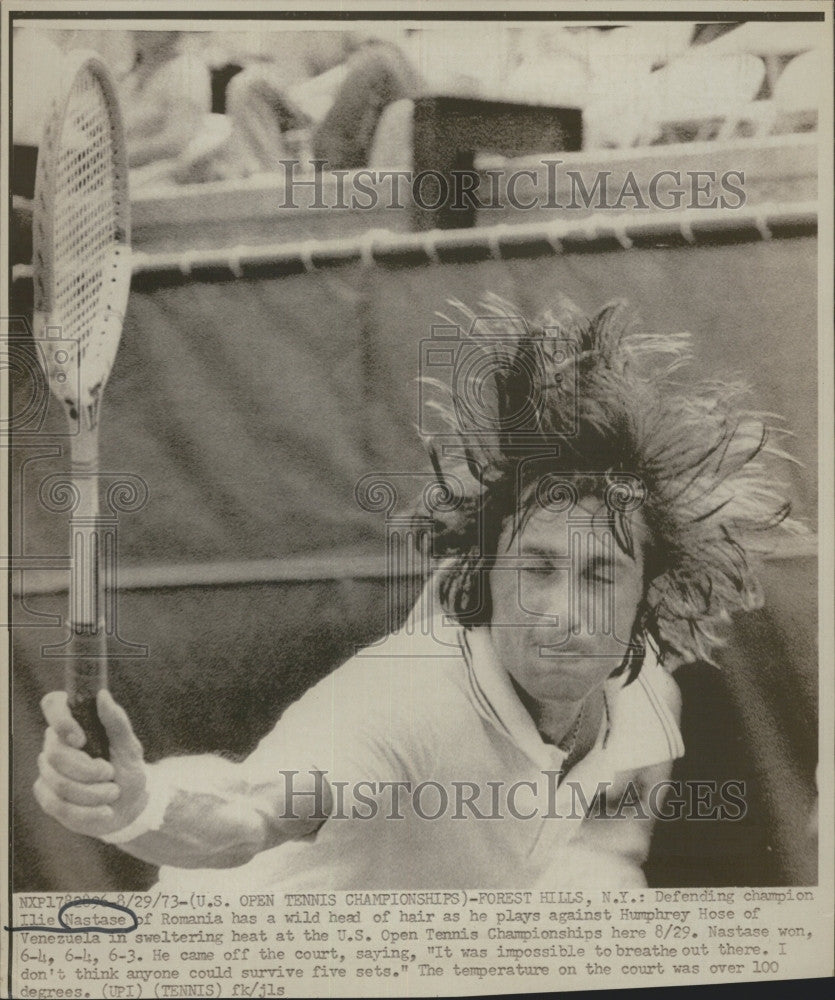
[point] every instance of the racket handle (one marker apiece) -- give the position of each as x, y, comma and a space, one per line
85, 714
83, 681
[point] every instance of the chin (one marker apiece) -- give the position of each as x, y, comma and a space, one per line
567, 676
561, 686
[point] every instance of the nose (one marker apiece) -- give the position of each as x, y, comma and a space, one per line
591, 599
546, 603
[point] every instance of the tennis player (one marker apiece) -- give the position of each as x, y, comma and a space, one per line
520, 729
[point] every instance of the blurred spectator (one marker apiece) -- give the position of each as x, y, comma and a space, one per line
376, 75
292, 55
37, 71
622, 61
332, 116
471, 63
797, 94
165, 97
699, 97
469, 60
553, 67
36, 74
775, 44
348, 97
680, 82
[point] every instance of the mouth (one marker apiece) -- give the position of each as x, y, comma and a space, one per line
558, 663
551, 659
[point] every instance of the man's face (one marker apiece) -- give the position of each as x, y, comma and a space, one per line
569, 588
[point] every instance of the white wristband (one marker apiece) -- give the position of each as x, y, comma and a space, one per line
160, 794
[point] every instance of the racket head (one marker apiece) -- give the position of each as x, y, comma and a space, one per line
81, 236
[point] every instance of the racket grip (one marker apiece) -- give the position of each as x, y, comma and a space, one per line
85, 714
82, 686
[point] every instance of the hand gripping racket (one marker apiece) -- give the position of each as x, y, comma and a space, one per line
81, 267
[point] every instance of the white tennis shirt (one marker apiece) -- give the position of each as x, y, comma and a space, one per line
438, 714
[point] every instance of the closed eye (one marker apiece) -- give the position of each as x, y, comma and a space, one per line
540, 563
600, 571
541, 569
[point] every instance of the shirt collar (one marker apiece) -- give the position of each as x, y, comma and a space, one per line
498, 702
639, 729
642, 728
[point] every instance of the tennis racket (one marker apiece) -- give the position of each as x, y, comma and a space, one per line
81, 269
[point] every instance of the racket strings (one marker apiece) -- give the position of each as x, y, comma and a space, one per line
86, 225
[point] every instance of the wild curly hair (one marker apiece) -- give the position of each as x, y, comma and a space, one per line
619, 408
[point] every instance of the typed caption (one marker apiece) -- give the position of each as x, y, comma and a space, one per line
399, 943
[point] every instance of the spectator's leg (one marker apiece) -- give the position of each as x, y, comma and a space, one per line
260, 113
379, 76
393, 145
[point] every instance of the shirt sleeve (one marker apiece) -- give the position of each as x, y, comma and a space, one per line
357, 725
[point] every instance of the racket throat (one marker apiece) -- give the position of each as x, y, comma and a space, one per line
93, 577
84, 461
92, 539
84, 417
90, 414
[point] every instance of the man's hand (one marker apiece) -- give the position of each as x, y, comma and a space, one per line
85, 794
